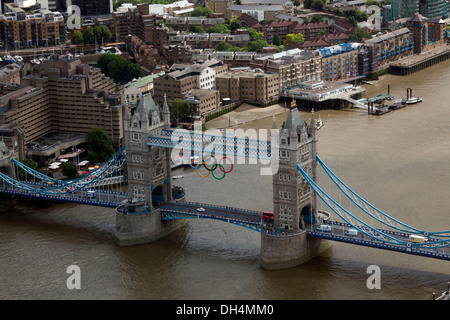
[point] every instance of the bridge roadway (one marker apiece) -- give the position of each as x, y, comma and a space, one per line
102, 198
242, 217
339, 232
192, 210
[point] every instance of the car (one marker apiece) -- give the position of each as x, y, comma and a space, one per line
70, 189
324, 228
201, 209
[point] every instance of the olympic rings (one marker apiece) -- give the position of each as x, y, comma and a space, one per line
192, 160
221, 167
212, 168
197, 166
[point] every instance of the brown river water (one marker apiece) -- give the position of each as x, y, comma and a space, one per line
399, 161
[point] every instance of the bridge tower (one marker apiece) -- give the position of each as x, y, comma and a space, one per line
6, 165
138, 219
295, 203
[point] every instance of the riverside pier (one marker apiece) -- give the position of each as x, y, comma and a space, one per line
420, 61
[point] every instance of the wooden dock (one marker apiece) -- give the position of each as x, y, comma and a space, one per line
417, 62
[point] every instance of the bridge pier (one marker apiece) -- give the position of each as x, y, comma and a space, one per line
288, 251
135, 226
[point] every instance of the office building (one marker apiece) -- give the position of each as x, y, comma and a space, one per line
61, 96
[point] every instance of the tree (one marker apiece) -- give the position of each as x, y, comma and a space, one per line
317, 18
202, 12
294, 38
254, 35
30, 164
77, 37
195, 28
99, 142
256, 45
352, 21
69, 170
305, 20
102, 33
359, 35
308, 4
222, 46
88, 35
277, 40
235, 24
119, 68
179, 109
219, 28
318, 4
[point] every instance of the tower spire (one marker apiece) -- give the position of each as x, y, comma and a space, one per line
166, 113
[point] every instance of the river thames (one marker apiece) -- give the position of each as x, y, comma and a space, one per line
399, 161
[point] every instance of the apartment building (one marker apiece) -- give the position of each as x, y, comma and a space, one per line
207, 40
292, 66
20, 28
181, 79
10, 73
427, 33
250, 85
219, 6
389, 47
339, 62
258, 11
63, 96
183, 23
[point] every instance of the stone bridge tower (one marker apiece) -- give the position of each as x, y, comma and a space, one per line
6, 165
138, 219
295, 203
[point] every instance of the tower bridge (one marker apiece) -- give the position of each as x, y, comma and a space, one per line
295, 232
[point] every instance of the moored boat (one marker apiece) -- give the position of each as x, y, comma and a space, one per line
414, 100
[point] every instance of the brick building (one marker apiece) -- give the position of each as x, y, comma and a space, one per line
181, 79
251, 85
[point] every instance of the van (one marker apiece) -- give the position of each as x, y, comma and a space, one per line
417, 239
352, 232
324, 227
90, 194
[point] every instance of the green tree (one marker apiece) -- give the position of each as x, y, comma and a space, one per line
219, 28
223, 46
102, 34
119, 68
359, 35
277, 40
195, 28
99, 142
306, 20
256, 45
317, 18
30, 164
235, 24
179, 109
254, 35
352, 21
69, 170
77, 37
318, 4
201, 12
88, 35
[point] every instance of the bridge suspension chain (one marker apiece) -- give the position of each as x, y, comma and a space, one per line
369, 208
95, 178
348, 217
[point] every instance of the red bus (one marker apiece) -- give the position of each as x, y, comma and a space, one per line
267, 215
